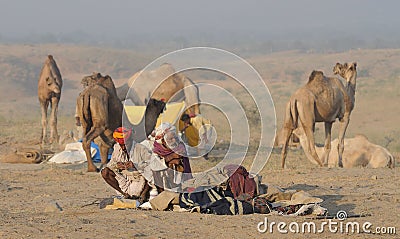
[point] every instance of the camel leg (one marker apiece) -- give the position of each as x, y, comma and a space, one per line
53, 120
311, 144
307, 121
89, 137
342, 131
286, 132
86, 148
103, 154
328, 136
43, 107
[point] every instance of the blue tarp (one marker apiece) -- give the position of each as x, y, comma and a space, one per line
96, 158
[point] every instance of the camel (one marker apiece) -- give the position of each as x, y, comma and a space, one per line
49, 93
100, 112
358, 152
173, 87
322, 99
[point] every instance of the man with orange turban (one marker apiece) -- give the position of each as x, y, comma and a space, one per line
120, 173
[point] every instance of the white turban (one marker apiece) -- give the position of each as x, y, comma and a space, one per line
161, 131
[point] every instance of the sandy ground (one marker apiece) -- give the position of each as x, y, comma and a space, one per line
29, 194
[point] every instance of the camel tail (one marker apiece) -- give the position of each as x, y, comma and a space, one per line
290, 123
291, 118
294, 114
85, 102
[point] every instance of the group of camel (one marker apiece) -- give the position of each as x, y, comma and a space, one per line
99, 107
322, 99
325, 99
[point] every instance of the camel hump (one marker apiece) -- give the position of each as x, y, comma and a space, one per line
50, 57
315, 75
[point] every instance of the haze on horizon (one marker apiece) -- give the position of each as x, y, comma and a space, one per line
204, 21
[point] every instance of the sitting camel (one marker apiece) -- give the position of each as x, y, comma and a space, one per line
322, 99
100, 112
162, 83
49, 92
358, 152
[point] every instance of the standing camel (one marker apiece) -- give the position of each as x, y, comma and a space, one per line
100, 112
49, 92
322, 99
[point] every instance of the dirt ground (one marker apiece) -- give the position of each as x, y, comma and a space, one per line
60, 201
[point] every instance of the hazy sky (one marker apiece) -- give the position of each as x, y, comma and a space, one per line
125, 17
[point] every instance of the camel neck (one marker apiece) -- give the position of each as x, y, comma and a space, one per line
351, 90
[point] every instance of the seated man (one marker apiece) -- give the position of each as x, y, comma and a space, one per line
197, 132
120, 173
172, 151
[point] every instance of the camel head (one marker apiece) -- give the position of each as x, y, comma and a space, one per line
159, 105
52, 85
50, 60
337, 68
347, 70
105, 81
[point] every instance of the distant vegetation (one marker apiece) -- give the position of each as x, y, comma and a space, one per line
321, 40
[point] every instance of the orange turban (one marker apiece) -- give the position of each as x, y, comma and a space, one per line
121, 133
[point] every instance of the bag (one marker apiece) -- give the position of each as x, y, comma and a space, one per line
261, 205
174, 161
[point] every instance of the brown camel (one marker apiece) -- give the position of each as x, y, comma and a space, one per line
322, 99
174, 87
358, 152
100, 113
49, 92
